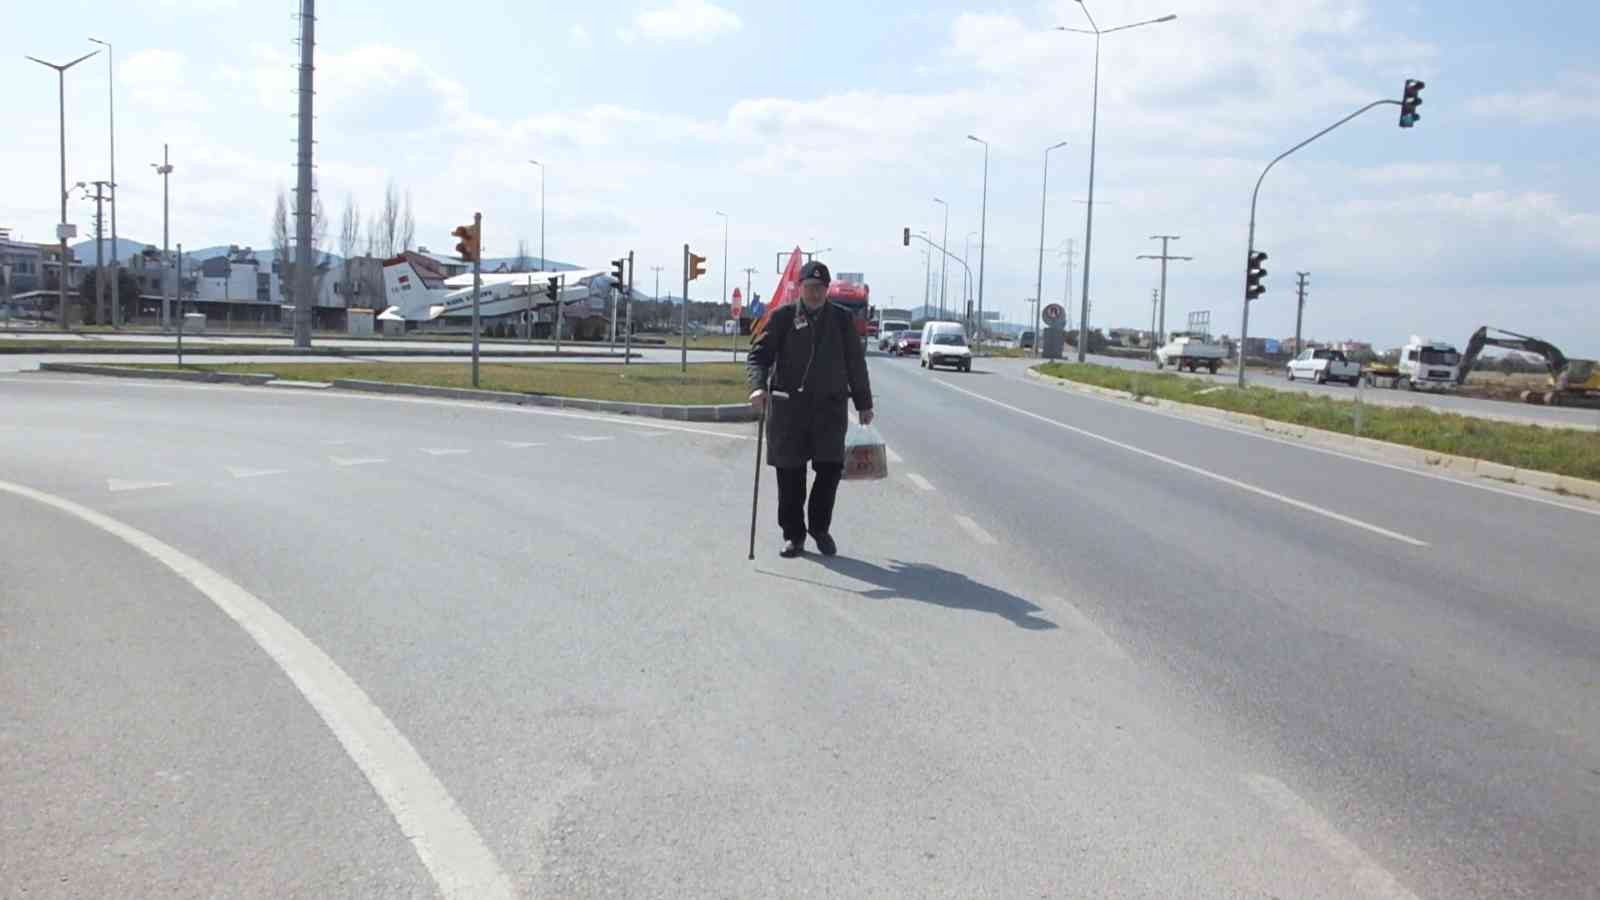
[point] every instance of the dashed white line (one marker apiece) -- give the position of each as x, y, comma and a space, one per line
919, 481
1205, 473
521, 445
242, 472
893, 456
118, 485
355, 461
1371, 879
443, 451
976, 531
649, 434
590, 438
452, 850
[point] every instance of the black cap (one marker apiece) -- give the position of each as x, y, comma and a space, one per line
815, 271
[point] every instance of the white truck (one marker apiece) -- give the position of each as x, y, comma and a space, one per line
1192, 352
1428, 365
1323, 366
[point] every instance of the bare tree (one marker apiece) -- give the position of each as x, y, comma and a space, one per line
349, 237
522, 263
283, 246
408, 225
281, 256
387, 223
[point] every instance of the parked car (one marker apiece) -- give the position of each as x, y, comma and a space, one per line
945, 344
1026, 341
1323, 366
908, 343
888, 330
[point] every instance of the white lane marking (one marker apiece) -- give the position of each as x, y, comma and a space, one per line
521, 445
893, 456
1205, 473
338, 442
117, 485
919, 481
345, 396
590, 438
455, 855
1081, 622
976, 531
650, 434
443, 451
242, 472
355, 461
1409, 470
1371, 879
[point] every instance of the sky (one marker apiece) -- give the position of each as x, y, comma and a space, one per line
837, 126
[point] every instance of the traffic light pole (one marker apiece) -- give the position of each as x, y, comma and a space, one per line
683, 315
1250, 247
627, 339
561, 314
477, 277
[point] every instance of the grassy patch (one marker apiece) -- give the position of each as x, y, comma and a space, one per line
1564, 451
703, 383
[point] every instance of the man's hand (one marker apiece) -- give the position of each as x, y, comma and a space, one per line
758, 400
865, 417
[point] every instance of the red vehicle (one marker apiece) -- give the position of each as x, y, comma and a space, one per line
908, 343
853, 297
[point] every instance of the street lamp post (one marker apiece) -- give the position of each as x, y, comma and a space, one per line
966, 284
541, 217
944, 246
983, 234
1094, 129
116, 256
61, 227
735, 341
165, 171
1038, 290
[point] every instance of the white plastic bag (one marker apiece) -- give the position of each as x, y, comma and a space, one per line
865, 457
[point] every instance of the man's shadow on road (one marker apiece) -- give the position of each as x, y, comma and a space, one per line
932, 585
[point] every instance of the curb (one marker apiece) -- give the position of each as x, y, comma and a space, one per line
725, 412
1388, 452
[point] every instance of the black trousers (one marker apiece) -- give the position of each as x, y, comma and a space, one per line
793, 509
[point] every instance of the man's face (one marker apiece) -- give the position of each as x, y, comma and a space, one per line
813, 292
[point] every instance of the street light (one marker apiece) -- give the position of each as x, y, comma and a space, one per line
541, 218
725, 282
966, 283
944, 245
1094, 127
61, 227
983, 232
164, 169
116, 256
1038, 290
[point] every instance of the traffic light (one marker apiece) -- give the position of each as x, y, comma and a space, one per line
552, 289
1410, 102
1253, 274
618, 273
468, 248
905, 237
697, 266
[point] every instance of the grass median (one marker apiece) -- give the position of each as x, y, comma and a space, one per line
704, 383
1563, 451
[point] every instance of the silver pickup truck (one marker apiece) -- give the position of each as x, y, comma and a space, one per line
1323, 366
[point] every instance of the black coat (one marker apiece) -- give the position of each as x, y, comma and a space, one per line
816, 364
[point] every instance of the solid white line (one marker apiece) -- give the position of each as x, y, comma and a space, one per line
437, 451
348, 461
893, 456
976, 531
1466, 482
521, 445
1205, 473
590, 438
241, 472
117, 485
455, 855
919, 481
1371, 879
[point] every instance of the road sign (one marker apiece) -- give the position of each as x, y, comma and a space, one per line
1054, 312
738, 302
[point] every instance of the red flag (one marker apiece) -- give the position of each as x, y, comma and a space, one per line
787, 290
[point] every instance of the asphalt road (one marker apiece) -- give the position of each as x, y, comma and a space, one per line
273, 644
1467, 406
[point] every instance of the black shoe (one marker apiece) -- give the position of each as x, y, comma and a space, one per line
825, 544
791, 549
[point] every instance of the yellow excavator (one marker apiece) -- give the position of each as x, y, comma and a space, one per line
1573, 382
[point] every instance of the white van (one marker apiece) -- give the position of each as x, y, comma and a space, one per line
945, 344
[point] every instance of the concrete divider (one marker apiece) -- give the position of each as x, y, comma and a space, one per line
1383, 450
164, 374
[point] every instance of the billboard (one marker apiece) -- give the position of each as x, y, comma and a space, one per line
1274, 346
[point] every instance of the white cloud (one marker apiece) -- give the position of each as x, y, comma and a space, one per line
697, 21
1576, 99
157, 78
578, 36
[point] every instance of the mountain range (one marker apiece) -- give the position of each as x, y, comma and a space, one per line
126, 249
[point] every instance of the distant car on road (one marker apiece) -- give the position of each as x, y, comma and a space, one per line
1025, 342
907, 343
888, 330
1323, 366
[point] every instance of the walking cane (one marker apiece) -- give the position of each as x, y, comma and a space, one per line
755, 493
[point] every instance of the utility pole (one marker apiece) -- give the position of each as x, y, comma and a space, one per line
927, 283
99, 198
165, 171
1154, 300
1300, 308
657, 294
304, 301
116, 256
1067, 291
1165, 257
749, 298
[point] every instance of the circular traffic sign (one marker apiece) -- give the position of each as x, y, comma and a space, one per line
1054, 312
